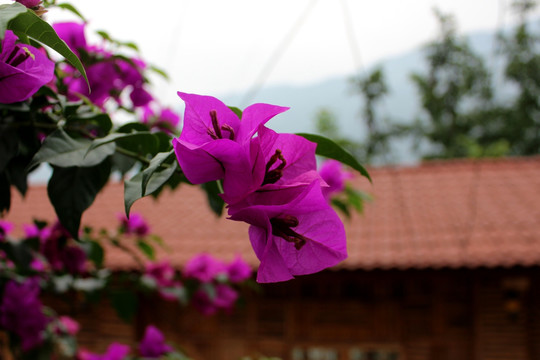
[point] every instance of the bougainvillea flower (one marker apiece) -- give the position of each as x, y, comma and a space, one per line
21, 313
140, 97
293, 231
238, 270
286, 156
108, 75
335, 176
161, 272
5, 229
225, 298
204, 268
68, 325
135, 225
115, 351
29, 3
74, 259
215, 144
23, 70
73, 35
166, 120
203, 303
153, 344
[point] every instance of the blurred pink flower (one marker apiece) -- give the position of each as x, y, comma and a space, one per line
204, 268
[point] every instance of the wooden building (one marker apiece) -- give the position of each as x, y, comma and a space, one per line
444, 264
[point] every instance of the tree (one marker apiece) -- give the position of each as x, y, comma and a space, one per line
456, 84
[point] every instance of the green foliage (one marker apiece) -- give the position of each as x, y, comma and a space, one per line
331, 150
61, 150
27, 23
73, 189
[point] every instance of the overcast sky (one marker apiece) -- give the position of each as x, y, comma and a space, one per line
220, 46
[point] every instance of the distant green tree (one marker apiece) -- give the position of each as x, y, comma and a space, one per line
455, 88
519, 122
375, 147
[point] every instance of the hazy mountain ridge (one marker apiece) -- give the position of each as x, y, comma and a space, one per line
402, 104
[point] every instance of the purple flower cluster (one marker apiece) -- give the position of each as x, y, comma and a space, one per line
23, 69
214, 293
21, 313
332, 172
270, 181
134, 225
108, 74
58, 251
152, 346
163, 277
211, 280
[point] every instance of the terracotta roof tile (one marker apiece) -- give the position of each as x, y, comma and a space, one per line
440, 214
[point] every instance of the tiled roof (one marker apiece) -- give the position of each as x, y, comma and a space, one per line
463, 213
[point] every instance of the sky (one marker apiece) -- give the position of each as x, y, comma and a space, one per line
218, 47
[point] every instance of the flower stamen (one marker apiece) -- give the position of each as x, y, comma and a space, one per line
274, 175
282, 227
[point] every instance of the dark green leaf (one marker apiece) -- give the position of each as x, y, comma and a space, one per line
5, 193
125, 303
146, 249
329, 149
160, 178
100, 121
72, 190
159, 71
71, 8
36, 28
7, 13
61, 150
341, 206
95, 252
133, 186
9, 146
215, 202
132, 191
155, 164
122, 163
165, 141
138, 142
17, 173
237, 111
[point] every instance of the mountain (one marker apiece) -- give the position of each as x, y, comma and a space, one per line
402, 104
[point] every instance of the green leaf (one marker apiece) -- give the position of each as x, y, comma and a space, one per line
9, 12
132, 191
139, 142
160, 178
72, 190
17, 173
125, 303
159, 72
122, 163
33, 26
71, 8
237, 111
341, 206
215, 202
62, 150
5, 194
133, 187
9, 146
95, 252
329, 149
146, 249
99, 121
155, 164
